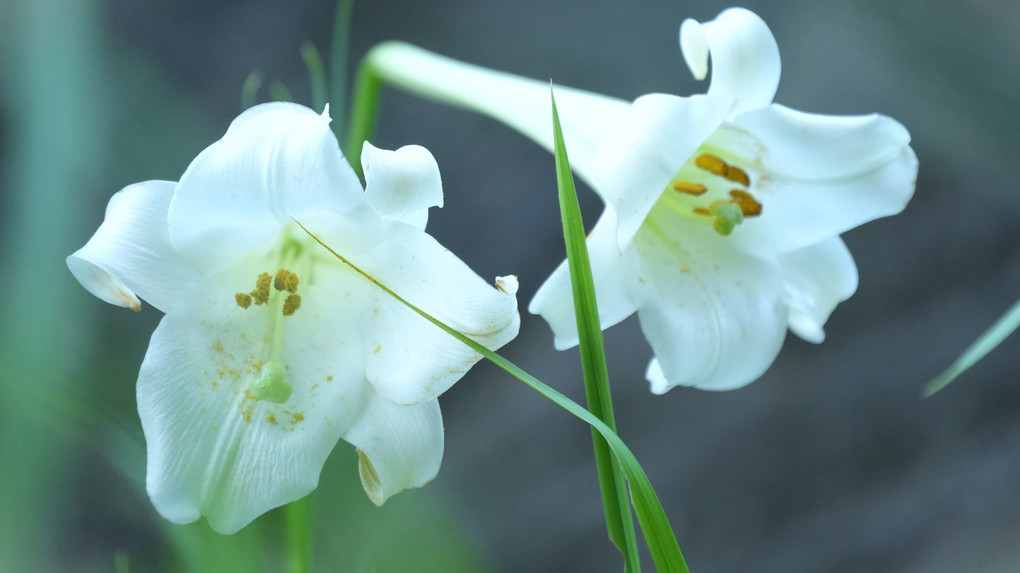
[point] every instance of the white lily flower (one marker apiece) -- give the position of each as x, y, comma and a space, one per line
722, 211
271, 349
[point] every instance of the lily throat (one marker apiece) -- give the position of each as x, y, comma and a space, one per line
276, 296
711, 190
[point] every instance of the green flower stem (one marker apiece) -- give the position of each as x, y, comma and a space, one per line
619, 522
299, 535
658, 533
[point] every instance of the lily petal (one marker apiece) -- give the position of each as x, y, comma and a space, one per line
713, 315
276, 161
615, 274
817, 279
409, 359
214, 449
816, 146
402, 184
799, 212
589, 120
399, 447
745, 57
130, 254
661, 133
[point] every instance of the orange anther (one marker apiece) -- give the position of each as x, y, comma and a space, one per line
711, 164
738, 175
689, 188
749, 206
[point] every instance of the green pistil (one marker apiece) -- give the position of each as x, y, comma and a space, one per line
727, 216
271, 385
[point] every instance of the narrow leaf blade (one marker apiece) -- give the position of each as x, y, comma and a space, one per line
619, 522
987, 342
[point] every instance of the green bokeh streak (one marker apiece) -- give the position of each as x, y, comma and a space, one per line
53, 147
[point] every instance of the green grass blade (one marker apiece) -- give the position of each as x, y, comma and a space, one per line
250, 89
316, 76
593, 355
657, 531
982, 346
279, 92
338, 58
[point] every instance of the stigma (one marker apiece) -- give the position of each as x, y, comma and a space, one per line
270, 384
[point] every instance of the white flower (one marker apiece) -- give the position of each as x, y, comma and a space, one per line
723, 211
271, 349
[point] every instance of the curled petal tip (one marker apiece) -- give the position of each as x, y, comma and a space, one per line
325, 114
744, 55
508, 284
370, 479
101, 283
694, 48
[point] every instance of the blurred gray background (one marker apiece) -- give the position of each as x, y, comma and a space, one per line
829, 463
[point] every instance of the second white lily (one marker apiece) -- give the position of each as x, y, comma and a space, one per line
723, 211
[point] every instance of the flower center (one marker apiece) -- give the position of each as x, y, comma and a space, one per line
278, 293
699, 189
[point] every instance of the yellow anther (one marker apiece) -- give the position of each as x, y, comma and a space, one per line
712, 164
702, 211
243, 299
285, 281
291, 305
717, 166
737, 175
689, 188
748, 204
261, 293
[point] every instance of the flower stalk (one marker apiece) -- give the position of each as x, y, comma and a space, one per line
299, 535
